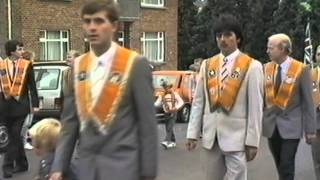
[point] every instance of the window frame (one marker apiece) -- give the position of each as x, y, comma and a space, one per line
61, 40
160, 4
161, 53
59, 71
121, 39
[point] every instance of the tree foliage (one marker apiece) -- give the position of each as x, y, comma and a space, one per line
259, 18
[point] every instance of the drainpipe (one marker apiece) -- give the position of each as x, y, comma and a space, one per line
9, 20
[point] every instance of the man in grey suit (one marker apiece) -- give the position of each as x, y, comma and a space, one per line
228, 104
289, 108
315, 146
111, 108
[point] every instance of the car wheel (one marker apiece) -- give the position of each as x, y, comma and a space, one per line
184, 114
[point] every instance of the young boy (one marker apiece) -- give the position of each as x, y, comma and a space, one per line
44, 136
171, 103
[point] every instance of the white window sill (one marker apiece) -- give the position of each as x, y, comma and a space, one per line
148, 6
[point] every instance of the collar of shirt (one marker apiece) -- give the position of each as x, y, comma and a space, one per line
231, 57
285, 66
106, 58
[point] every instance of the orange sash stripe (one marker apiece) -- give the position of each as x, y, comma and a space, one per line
15, 88
213, 81
287, 87
315, 86
226, 97
104, 109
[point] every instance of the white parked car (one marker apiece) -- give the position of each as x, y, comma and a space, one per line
49, 81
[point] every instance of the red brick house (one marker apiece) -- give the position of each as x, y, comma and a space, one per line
51, 28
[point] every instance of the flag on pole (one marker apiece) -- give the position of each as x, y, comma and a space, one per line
200, 4
308, 46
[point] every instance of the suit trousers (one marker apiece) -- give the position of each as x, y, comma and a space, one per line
316, 155
219, 165
15, 155
284, 153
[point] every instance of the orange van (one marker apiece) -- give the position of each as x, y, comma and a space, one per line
184, 82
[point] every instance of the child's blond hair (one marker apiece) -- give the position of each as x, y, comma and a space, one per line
45, 134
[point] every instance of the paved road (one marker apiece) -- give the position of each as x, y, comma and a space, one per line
178, 164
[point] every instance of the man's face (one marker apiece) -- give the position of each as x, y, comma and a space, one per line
318, 55
227, 42
98, 29
70, 59
274, 50
19, 51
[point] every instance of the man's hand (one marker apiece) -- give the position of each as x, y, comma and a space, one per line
251, 152
191, 144
56, 176
310, 137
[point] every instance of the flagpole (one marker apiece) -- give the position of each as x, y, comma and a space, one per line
308, 54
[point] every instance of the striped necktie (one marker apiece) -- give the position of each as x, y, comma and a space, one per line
224, 70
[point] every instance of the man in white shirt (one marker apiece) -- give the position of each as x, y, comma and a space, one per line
315, 72
228, 106
17, 80
110, 109
289, 111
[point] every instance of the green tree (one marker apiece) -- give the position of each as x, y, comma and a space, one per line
187, 12
197, 41
260, 19
289, 20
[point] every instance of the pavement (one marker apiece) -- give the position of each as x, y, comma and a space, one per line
179, 164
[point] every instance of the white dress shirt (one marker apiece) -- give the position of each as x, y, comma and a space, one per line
284, 68
231, 58
100, 70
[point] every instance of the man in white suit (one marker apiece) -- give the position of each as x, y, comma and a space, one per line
228, 103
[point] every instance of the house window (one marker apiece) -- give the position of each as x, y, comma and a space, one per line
152, 3
54, 45
121, 38
153, 46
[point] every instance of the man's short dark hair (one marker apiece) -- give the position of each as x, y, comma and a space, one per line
108, 6
11, 46
227, 22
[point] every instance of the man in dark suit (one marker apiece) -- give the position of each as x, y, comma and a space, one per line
111, 108
17, 79
289, 108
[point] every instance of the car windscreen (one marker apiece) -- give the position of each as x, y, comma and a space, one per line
158, 79
47, 79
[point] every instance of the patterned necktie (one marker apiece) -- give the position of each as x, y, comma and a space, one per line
278, 79
224, 70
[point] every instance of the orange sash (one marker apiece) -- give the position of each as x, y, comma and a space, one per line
315, 86
104, 109
287, 87
225, 97
13, 87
